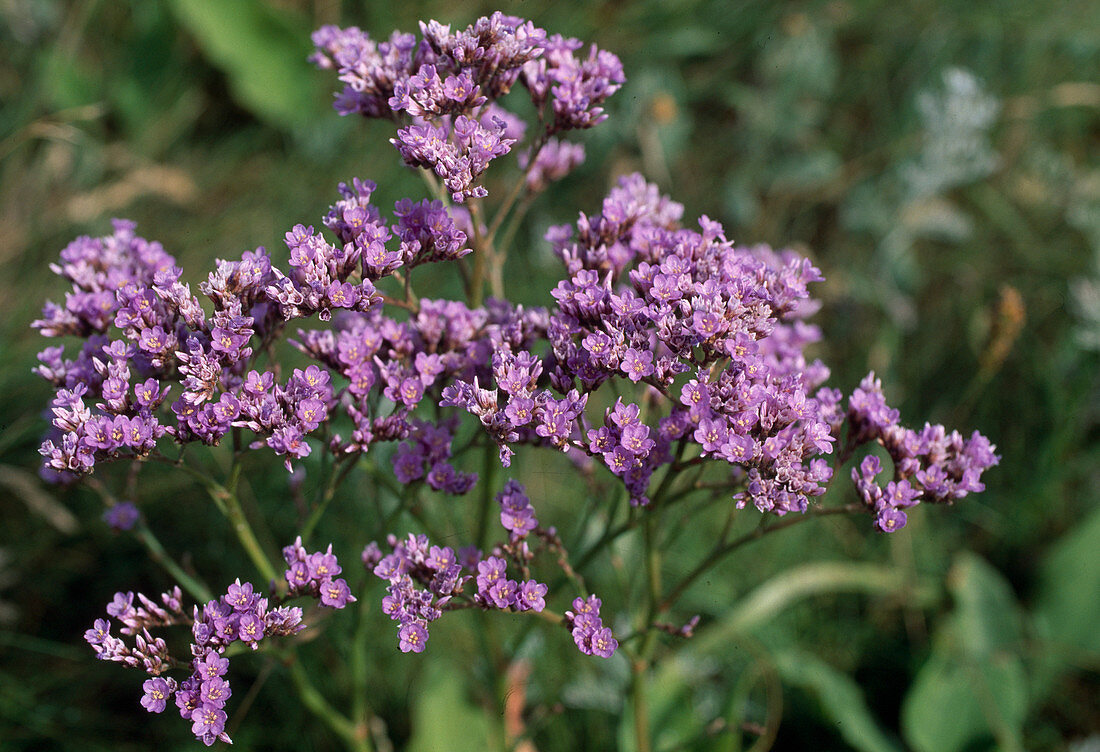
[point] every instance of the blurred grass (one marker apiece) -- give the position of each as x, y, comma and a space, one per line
949, 243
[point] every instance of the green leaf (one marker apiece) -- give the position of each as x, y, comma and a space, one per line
442, 712
974, 684
262, 50
953, 702
798, 583
1067, 608
67, 83
986, 612
840, 698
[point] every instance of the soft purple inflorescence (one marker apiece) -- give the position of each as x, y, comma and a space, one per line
589, 632
240, 615
702, 343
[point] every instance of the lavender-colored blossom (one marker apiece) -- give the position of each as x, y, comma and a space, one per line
157, 693
531, 596
122, 516
413, 638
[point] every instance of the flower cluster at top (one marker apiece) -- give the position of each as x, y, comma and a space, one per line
714, 334
662, 347
444, 90
241, 615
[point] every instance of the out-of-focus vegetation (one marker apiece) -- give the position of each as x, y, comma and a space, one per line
940, 161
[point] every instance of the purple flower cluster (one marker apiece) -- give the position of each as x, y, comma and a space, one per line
110, 396
446, 89
704, 343
516, 513
147, 653
241, 615
426, 580
425, 454
409, 360
100, 269
589, 633
496, 590
526, 415
458, 154
576, 86
929, 465
412, 563
122, 516
315, 575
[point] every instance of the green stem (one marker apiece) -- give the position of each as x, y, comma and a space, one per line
360, 711
723, 548
489, 466
197, 589
155, 549
320, 707
520, 184
483, 252
640, 704
334, 482
230, 505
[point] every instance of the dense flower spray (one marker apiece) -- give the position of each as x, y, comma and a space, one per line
665, 346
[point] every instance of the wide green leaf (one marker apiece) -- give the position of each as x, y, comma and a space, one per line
986, 612
442, 714
1067, 607
261, 50
954, 702
839, 697
974, 684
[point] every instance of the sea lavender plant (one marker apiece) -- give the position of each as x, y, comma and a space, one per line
665, 351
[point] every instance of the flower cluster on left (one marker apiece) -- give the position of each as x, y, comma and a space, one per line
242, 615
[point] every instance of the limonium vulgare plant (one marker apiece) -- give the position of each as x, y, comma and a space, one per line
664, 353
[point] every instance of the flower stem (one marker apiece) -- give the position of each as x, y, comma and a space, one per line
230, 505
483, 256
360, 711
334, 481
489, 466
640, 704
197, 589
155, 549
722, 548
320, 707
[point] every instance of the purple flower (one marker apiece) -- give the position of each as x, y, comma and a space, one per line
890, 519
122, 605
603, 643
211, 665
187, 700
335, 594
502, 593
324, 566
531, 596
122, 516
240, 597
490, 571
157, 693
207, 720
215, 692
250, 627
413, 638
637, 365
99, 632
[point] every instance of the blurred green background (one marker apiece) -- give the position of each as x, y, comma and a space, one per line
939, 161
